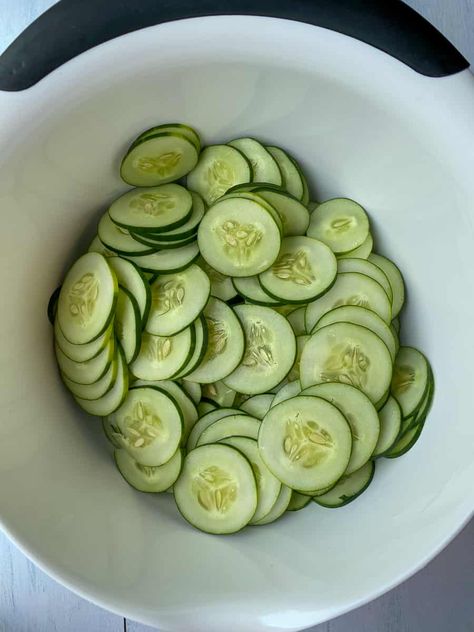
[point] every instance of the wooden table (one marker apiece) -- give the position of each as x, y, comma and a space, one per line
439, 598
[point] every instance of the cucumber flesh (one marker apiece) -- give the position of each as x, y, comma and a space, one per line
410, 379
279, 507
162, 357
264, 167
390, 416
298, 501
348, 488
205, 421
369, 269
340, 223
231, 426
395, 278
132, 279
361, 252
258, 405
291, 178
148, 478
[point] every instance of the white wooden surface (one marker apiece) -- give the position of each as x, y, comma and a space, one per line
439, 598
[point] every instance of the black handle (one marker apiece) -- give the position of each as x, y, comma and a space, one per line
71, 27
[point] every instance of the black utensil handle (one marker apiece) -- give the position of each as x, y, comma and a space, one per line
71, 27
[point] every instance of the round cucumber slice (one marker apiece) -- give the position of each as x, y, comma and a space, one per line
396, 281
410, 379
177, 300
252, 291
148, 478
87, 299
270, 350
239, 237
350, 354
258, 405
159, 158
174, 128
264, 167
340, 223
97, 246
221, 285
119, 240
185, 231
304, 269
298, 501
296, 318
232, 426
85, 352
132, 279
291, 179
167, 261
280, 506
205, 421
128, 324
306, 442
368, 268
293, 214
361, 252
162, 357
193, 389
96, 389
289, 390
294, 374
89, 371
216, 490
390, 416
200, 346
348, 488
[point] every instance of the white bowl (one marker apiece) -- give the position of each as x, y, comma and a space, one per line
363, 125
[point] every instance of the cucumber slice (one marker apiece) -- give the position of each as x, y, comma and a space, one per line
52, 308
258, 199
206, 406
85, 352
132, 279
305, 196
264, 167
128, 324
350, 354
360, 414
200, 346
219, 393
270, 350
89, 371
161, 358
180, 128
405, 443
225, 347
154, 209
395, 324
150, 424
350, 288
168, 261
221, 285
239, 237
252, 291
114, 397
158, 158
97, 246
306, 442
361, 316
410, 380
119, 240
296, 318
183, 232
390, 416
294, 374
177, 300
293, 214
291, 179
148, 478
96, 389
279, 508
87, 299
219, 168
340, 223
232, 426
258, 405
216, 490
298, 501
348, 488
165, 245
368, 268
193, 389
304, 269
396, 281
205, 421
289, 390
362, 252
268, 486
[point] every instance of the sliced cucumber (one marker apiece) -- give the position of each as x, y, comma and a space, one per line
216, 490
89, 371
368, 268
306, 442
159, 158
207, 420
131, 278
291, 177
206, 406
396, 281
219, 393
258, 405
250, 289
410, 379
128, 324
52, 308
362, 252
168, 261
148, 478
348, 488
390, 416
270, 350
340, 223
264, 167
294, 215
298, 501
157, 244
350, 288
221, 285
296, 318
360, 414
294, 374
97, 246
395, 324
350, 354
180, 128
279, 507
239, 237
87, 299
119, 240
193, 389
85, 352
289, 390
232, 426
200, 346
161, 358
219, 168
96, 389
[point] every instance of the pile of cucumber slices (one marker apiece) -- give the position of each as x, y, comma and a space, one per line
239, 342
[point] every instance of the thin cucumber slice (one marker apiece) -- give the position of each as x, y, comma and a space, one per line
396, 281
193, 389
410, 379
216, 490
360, 414
296, 318
119, 240
361, 316
294, 374
150, 424
340, 223
350, 354
232, 426
361, 252
97, 246
264, 167
405, 443
258, 405
239, 237
289, 390
270, 350
96, 389
291, 179
52, 308
293, 214
85, 352
268, 486
154, 209
221, 285
305, 196
162, 357
207, 420
252, 291
158, 159
168, 261
200, 346
280, 506
219, 168
368, 268
348, 488
114, 397
132, 279
420, 416
175, 128
219, 393
390, 416
225, 345
89, 371
298, 501
87, 299
206, 406
165, 245
258, 199
177, 300
128, 324
350, 288
396, 324
148, 478
304, 269
306, 442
